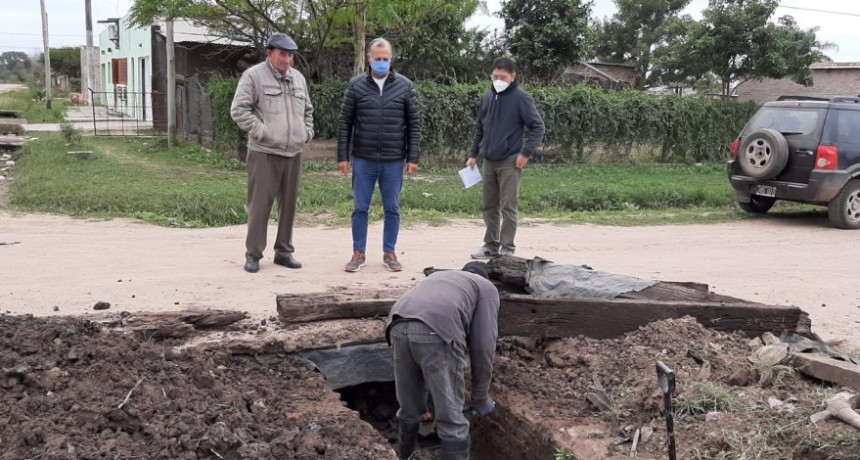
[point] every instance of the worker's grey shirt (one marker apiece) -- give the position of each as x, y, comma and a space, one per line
460, 307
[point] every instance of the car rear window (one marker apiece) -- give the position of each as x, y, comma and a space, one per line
786, 121
843, 126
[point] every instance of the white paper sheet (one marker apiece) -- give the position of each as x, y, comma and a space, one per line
470, 176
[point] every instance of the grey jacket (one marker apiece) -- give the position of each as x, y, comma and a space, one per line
460, 307
274, 110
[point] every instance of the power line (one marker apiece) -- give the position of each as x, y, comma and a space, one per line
841, 13
39, 35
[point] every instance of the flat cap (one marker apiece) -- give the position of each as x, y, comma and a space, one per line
282, 41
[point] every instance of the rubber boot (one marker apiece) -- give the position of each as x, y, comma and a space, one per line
455, 450
408, 438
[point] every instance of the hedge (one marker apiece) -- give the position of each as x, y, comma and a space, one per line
583, 123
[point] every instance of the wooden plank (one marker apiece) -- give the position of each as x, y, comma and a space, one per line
600, 319
304, 337
523, 315
13, 121
303, 308
169, 325
828, 369
510, 270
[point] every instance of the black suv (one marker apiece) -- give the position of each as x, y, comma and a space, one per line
801, 149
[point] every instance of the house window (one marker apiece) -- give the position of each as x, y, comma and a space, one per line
120, 71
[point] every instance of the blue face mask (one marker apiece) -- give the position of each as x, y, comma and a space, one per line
380, 67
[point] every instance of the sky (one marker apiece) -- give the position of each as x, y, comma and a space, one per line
22, 23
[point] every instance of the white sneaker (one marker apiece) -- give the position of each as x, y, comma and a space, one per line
484, 253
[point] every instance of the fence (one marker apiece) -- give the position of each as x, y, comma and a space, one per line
127, 113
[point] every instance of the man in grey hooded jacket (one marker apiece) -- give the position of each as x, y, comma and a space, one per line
273, 106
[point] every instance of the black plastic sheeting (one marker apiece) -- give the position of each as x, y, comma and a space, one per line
350, 366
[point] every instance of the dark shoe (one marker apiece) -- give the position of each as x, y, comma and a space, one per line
358, 261
408, 438
454, 450
288, 261
391, 263
485, 253
252, 265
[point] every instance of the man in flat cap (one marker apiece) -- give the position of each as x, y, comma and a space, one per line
273, 106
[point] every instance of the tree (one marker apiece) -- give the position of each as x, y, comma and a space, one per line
546, 36
735, 42
15, 66
632, 33
66, 61
329, 32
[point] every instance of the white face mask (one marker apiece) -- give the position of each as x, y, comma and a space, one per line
500, 85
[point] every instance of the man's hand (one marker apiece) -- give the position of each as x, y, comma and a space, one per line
471, 162
522, 161
343, 167
479, 408
411, 168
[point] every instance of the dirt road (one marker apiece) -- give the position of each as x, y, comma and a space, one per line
51, 261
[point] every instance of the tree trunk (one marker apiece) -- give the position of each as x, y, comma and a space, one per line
359, 37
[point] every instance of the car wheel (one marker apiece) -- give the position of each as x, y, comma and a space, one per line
844, 210
758, 204
763, 154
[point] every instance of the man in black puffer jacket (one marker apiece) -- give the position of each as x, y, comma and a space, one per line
380, 127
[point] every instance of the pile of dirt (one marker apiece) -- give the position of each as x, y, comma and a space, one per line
725, 407
69, 390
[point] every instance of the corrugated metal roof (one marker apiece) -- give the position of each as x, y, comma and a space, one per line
835, 65
188, 32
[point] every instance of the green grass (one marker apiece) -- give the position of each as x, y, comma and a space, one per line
701, 397
33, 111
191, 186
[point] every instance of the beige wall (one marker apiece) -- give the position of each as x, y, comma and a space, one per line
97, 84
827, 82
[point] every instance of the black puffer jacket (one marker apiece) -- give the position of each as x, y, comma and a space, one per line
380, 127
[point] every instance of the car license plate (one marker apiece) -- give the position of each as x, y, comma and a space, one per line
765, 190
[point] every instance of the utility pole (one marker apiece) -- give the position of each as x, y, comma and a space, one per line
47, 56
171, 87
90, 64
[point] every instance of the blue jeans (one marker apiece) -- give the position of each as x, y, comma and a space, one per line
424, 363
365, 175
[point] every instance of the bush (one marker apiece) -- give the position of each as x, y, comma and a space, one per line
72, 134
583, 123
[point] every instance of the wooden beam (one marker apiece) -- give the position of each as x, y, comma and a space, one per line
304, 308
171, 324
828, 369
600, 319
303, 337
523, 315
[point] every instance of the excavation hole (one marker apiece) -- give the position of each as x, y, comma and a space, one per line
497, 437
